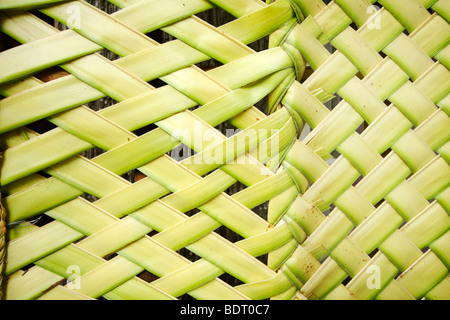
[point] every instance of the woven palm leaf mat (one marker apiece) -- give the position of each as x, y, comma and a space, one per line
350, 153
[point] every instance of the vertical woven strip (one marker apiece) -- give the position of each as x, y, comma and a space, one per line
2, 245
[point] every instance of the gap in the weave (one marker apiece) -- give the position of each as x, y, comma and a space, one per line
7, 42
430, 10
104, 5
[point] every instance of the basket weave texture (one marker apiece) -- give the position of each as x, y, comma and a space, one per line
358, 195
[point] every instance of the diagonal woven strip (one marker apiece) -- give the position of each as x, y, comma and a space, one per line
358, 194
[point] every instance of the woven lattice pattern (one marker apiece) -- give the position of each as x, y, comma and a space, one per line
358, 194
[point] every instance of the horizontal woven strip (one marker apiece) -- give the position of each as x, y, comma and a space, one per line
339, 127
